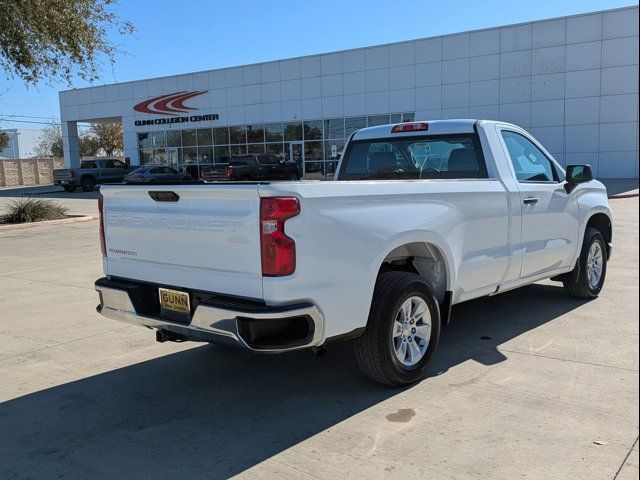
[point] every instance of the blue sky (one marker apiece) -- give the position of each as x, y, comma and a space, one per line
180, 37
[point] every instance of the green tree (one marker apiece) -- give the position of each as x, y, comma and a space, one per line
57, 39
4, 140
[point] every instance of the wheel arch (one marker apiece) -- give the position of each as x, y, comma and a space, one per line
429, 260
602, 222
423, 258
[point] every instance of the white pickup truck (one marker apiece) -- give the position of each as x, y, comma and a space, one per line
420, 216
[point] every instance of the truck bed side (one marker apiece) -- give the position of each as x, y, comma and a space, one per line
346, 229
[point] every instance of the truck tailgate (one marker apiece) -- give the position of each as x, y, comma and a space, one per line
206, 240
61, 175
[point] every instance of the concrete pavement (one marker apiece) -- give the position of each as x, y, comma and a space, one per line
78, 203
527, 384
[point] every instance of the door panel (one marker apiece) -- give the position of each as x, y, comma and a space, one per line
549, 227
549, 214
121, 170
109, 173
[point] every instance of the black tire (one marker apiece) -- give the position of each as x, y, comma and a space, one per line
293, 177
577, 282
70, 188
87, 184
375, 350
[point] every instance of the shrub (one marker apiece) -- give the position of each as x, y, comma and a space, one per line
30, 209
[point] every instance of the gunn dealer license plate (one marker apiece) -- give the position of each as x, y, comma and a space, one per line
174, 301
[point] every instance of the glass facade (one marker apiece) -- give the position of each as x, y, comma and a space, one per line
317, 144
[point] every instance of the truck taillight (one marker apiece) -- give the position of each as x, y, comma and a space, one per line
103, 245
278, 251
229, 173
410, 127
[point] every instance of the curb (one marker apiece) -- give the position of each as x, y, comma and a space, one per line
26, 194
47, 223
22, 191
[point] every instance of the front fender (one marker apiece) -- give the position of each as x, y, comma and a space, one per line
592, 200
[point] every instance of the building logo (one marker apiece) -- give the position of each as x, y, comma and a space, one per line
172, 104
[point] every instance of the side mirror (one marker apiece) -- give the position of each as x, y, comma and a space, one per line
577, 174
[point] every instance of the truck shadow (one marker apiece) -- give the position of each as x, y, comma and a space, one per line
213, 412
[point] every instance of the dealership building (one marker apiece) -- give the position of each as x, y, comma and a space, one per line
571, 81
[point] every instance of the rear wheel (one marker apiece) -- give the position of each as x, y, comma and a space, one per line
88, 184
402, 331
587, 281
70, 188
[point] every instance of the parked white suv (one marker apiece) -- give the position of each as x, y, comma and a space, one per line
421, 216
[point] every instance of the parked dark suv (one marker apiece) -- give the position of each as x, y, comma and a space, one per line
261, 167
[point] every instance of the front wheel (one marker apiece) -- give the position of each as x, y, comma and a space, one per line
588, 280
402, 332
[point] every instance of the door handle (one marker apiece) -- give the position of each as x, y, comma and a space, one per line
530, 201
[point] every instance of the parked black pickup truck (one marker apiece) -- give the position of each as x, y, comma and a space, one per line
261, 167
92, 173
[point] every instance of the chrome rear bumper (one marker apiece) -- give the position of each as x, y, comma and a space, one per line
213, 323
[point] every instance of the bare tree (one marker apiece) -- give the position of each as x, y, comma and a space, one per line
50, 143
107, 138
99, 139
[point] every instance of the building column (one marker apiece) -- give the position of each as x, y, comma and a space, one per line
70, 144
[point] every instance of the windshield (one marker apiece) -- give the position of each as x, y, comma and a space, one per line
455, 156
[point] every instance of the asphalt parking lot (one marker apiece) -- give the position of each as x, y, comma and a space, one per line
527, 384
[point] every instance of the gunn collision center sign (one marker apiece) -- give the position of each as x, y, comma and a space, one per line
171, 106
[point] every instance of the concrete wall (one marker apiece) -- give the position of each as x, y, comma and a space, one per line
28, 172
22, 142
571, 81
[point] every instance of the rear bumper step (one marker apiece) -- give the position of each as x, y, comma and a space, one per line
246, 324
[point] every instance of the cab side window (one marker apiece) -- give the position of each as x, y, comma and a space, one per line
529, 163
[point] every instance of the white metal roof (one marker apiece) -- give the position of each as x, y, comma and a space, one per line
435, 127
